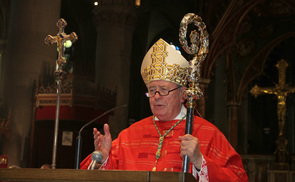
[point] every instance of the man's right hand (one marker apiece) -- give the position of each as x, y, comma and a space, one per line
102, 142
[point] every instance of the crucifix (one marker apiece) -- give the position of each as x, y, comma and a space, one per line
59, 39
281, 90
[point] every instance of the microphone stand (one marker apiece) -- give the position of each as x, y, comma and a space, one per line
199, 48
79, 138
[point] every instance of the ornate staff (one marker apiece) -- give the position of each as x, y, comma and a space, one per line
199, 48
60, 39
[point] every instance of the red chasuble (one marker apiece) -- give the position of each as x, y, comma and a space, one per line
136, 147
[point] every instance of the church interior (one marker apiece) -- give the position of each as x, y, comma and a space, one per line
247, 78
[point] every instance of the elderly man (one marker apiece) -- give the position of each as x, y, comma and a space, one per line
159, 143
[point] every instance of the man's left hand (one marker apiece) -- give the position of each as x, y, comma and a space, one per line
190, 146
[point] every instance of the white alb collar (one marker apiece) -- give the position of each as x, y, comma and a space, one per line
180, 115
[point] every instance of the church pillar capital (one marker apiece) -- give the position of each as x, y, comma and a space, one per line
204, 81
115, 13
232, 104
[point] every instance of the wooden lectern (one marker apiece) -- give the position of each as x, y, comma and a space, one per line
73, 175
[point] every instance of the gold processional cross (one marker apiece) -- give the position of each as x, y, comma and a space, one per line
281, 90
59, 39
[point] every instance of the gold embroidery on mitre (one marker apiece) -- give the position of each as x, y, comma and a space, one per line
160, 70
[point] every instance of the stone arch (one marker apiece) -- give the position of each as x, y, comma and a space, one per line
224, 35
256, 66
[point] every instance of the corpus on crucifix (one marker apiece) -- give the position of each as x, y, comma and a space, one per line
59, 39
281, 90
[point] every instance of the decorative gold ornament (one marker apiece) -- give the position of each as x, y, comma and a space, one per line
163, 62
199, 48
281, 90
60, 40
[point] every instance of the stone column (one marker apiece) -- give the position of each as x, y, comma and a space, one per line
220, 110
201, 103
27, 54
233, 123
243, 120
115, 22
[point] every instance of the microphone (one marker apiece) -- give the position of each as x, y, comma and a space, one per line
79, 138
96, 157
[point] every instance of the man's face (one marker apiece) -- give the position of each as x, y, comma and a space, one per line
167, 107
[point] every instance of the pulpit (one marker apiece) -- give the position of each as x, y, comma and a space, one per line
72, 175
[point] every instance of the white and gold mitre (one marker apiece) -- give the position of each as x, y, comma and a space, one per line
163, 62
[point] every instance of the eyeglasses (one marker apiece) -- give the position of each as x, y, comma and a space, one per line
162, 92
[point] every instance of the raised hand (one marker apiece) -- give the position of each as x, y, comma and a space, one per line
102, 142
